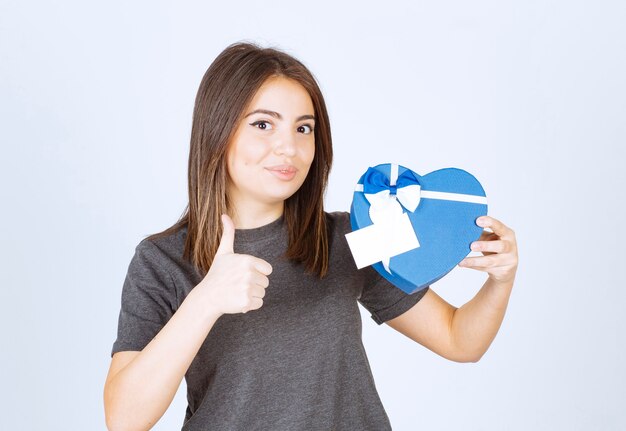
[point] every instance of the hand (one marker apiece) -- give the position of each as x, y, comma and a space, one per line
235, 283
499, 249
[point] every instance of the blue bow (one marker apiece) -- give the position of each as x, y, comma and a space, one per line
375, 182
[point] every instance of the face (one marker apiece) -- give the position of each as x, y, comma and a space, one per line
273, 147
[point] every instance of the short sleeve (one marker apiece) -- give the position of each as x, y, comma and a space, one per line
148, 295
384, 300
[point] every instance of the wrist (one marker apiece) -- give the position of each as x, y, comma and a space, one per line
202, 304
501, 282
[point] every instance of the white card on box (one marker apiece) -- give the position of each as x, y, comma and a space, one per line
376, 242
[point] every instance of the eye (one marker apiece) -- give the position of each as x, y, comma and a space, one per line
309, 126
260, 122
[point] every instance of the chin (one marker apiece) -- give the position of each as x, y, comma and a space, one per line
286, 195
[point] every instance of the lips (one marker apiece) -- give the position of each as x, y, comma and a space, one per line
283, 172
286, 169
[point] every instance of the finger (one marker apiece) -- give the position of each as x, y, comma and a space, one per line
260, 280
256, 304
261, 265
487, 236
257, 292
496, 246
497, 226
482, 261
228, 236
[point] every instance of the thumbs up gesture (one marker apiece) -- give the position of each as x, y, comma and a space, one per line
235, 282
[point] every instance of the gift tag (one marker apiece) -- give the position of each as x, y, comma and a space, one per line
382, 240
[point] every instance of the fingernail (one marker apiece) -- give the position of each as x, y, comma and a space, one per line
474, 246
480, 221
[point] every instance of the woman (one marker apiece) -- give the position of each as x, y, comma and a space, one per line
252, 295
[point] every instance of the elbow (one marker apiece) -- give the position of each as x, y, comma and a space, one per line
115, 421
465, 359
118, 420
466, 356
466, 352
472, 359
112, 426
121, 414
112, 420
115, 427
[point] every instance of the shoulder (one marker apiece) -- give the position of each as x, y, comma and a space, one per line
168, 244
159, 254
148, 258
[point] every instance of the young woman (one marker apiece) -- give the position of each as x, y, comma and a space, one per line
253, 294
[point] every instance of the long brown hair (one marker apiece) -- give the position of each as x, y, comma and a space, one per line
228, 86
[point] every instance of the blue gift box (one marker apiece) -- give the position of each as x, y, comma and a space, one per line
441, 207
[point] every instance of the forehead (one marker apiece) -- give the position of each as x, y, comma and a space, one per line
282, 95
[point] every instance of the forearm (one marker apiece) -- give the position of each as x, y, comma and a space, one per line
475, 324
139, 394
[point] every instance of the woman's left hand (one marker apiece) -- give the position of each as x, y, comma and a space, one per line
499, 249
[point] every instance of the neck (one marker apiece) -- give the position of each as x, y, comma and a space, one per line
250, 215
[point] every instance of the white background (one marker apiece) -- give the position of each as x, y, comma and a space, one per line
95, 118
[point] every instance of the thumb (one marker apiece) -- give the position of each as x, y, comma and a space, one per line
228, 236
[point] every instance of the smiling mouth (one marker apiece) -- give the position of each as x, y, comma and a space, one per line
283, 169
283, 172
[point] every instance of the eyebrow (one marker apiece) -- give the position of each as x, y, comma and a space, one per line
277, 115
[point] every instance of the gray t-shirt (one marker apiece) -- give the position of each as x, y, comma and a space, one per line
296, 363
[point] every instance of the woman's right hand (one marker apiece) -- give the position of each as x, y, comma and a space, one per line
235, 282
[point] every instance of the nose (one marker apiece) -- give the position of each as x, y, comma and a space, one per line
285, 144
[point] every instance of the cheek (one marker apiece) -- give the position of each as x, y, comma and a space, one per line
251, 154
243, 157
236, 162
310, 153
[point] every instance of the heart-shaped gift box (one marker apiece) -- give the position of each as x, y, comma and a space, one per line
432, 216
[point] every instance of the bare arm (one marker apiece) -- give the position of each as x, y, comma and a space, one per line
141, 385
136, 396
465, 334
